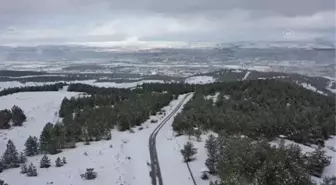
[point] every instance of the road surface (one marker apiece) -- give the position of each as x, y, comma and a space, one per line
155, 167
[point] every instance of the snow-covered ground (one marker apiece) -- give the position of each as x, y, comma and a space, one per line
310, 87
39, 107
108, 158
10, 84
199, 80
213, 97
330, 85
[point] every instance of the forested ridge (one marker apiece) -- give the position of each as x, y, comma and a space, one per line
247, 115
260, 108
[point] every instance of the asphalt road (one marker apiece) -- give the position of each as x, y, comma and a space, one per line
155, 167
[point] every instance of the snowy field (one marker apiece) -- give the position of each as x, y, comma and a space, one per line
10, 84
199, 80
39, 107
108, 158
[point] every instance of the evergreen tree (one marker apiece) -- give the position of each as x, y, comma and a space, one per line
22, 158
212, 152
10, 157
45, 162
31, 172
329, 181
48, 141
5, 117
188, 151
18, 117
1, 166
31, 146
58, 162
24, 168
89, 174
2, 182
59, 135
317, 161
64, 160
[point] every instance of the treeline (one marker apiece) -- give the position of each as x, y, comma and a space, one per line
78, 87
174, 88
241, 160
261, 108
90, 118
94, 121
16, 115
52, 87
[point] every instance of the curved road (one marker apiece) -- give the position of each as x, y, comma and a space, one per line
155, 167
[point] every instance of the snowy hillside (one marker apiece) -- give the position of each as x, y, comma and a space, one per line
122, 160
39, 107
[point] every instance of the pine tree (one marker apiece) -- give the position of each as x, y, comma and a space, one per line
188, 151
1, 166
18, 117
212, 152
5, 117
89, 174
2, 182
31, 172
45, 162
11, 157
48, 142
58, 162
31, 146
24, 168
317, 161
64, 160
329, 181
22, 158
58, 134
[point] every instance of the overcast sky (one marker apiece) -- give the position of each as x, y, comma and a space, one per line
66, 21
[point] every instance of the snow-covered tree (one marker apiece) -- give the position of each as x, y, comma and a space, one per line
24, 168
22, 158
48, 140
31, 172
188, 151
89, 174
212, 152
2, 182
58, 162
18, 117
31, 146
317, 160
64, 160
329, 181
10, 157
45, 162
1, 166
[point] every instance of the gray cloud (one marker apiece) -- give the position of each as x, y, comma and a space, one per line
183, 20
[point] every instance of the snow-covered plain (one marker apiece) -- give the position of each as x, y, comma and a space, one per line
199, 80
108, 158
